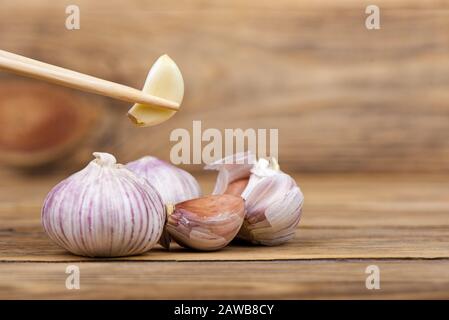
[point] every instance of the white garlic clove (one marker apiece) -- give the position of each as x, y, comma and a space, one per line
173, 184
273, 201
104, 210
207, 223
164, 80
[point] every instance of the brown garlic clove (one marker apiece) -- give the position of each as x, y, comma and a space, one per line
207, 223
237, 187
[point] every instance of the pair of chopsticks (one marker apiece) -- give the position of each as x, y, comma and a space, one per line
39, 70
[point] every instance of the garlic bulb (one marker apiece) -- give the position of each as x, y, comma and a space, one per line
207, 223
173, 184
273, 201
104, 210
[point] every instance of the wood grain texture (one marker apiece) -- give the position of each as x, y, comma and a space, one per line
39, 126
397, 222
344, 98
233, 280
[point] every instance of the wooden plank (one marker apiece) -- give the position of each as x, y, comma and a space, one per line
345, 216
344, 98
231, 280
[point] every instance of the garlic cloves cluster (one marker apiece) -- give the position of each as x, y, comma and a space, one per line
104, 210
207, 223
273, 201
111, 210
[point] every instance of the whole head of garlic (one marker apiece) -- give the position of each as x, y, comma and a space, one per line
273, 201
104, 210
207, 223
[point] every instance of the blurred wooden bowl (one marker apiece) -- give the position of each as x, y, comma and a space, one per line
40, 123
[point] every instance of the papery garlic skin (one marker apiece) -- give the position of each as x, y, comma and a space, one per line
104, 210
173, 184
273, 201
207, 223
231, 168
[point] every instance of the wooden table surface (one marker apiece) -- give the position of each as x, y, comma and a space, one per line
398, 222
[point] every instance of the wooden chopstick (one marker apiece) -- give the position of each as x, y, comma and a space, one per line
39, 70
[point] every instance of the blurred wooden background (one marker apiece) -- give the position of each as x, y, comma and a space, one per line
343, 97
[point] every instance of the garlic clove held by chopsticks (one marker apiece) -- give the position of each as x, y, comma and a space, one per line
104, 210
207, 223
173, 184
164, 80
273, 201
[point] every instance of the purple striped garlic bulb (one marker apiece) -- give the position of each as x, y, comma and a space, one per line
104, 210
173, 184
273, 201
